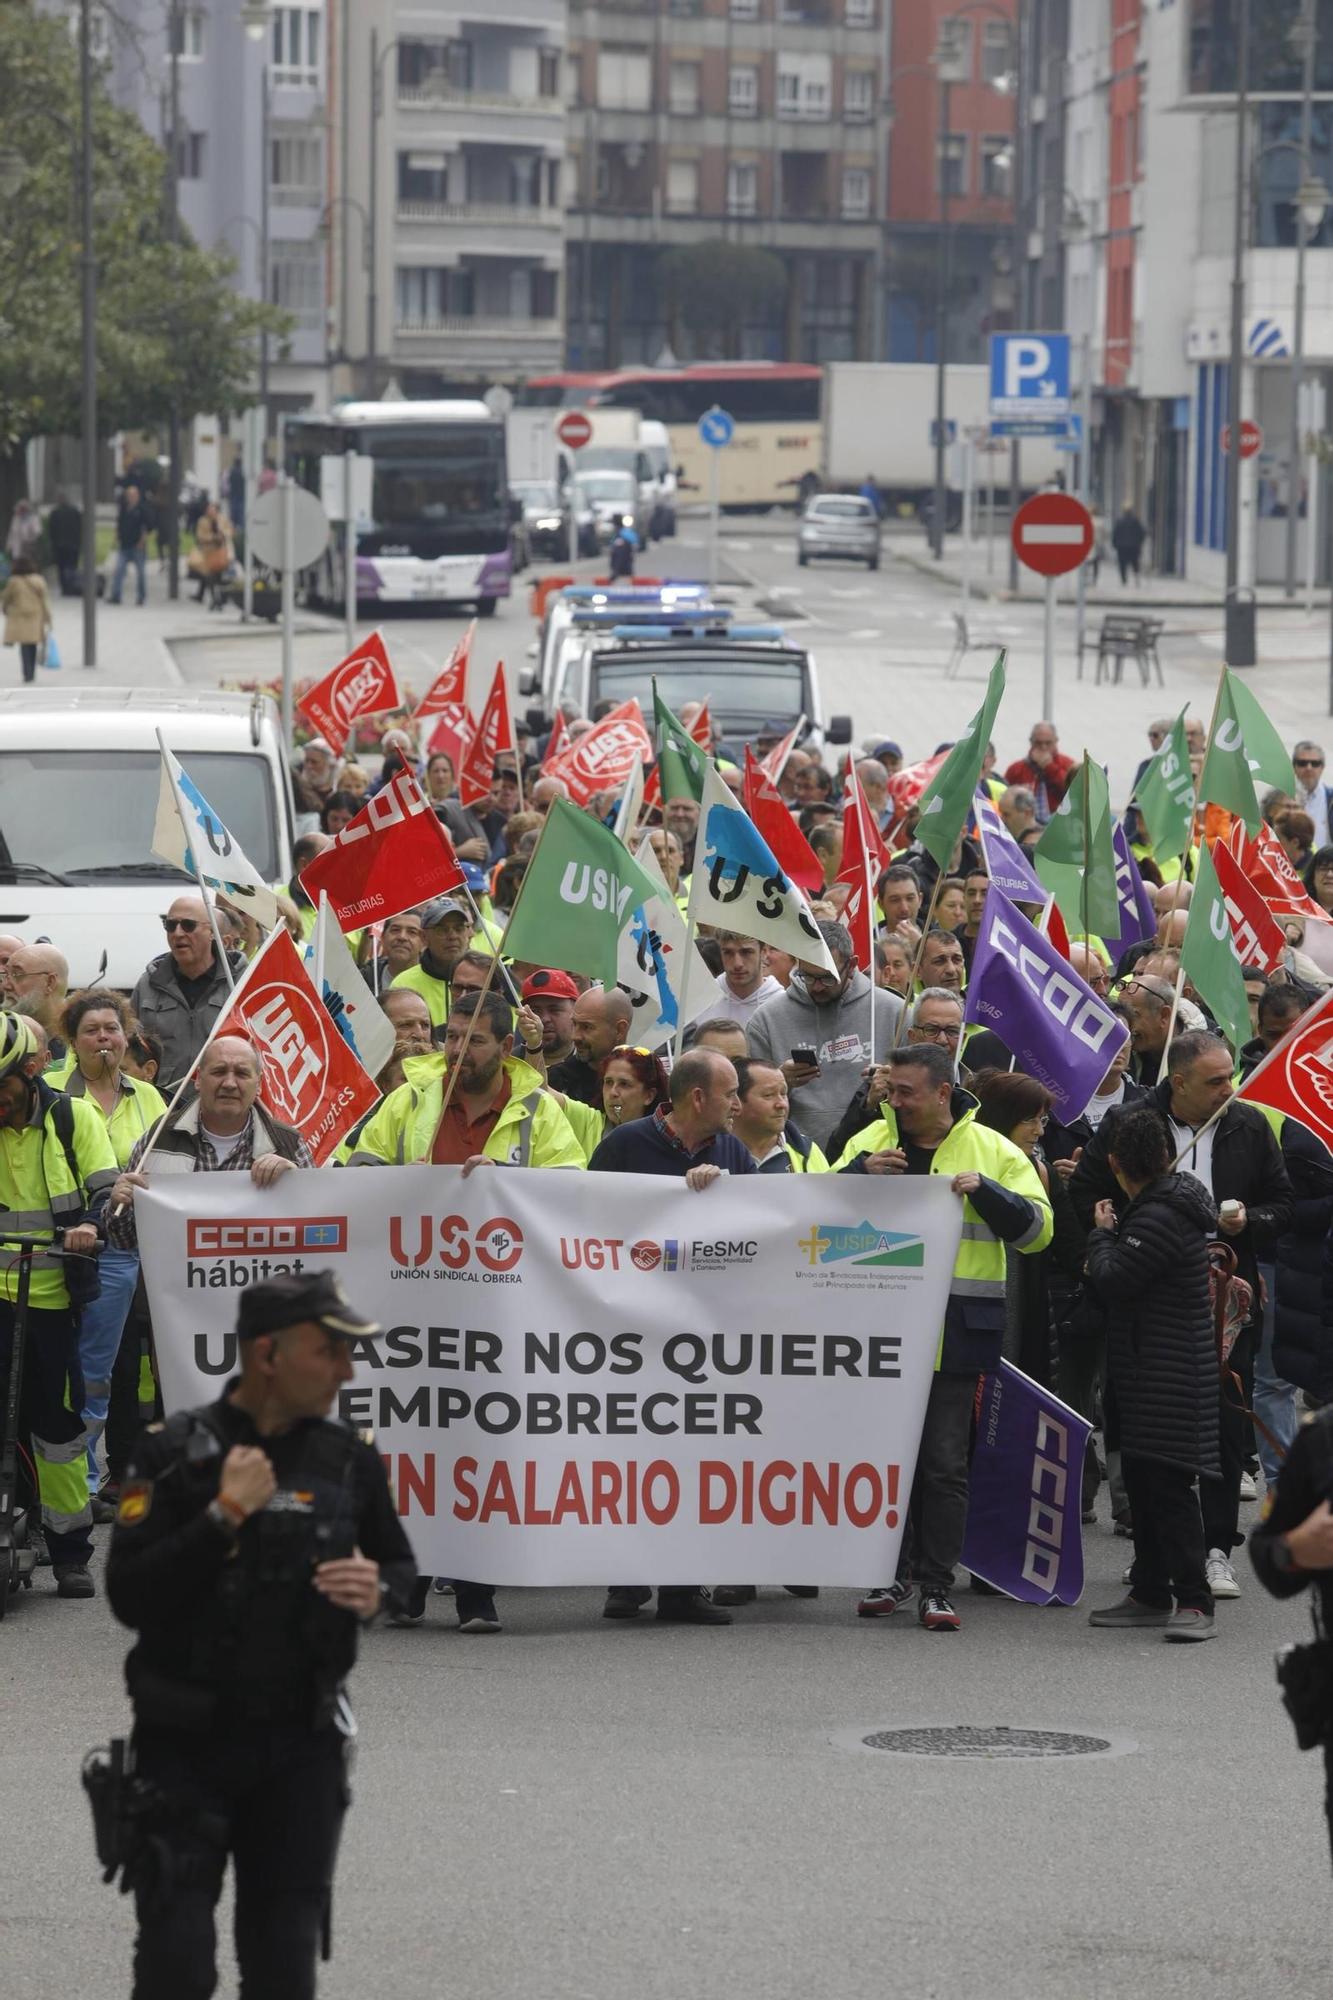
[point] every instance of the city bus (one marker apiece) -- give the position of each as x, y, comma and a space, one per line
775, 456
430, 495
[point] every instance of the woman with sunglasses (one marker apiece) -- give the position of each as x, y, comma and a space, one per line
1319, 878
98, 1028
634, 1083
180, 995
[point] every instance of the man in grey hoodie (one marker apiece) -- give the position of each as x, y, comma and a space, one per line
830, 1015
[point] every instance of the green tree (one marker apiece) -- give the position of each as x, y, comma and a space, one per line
718, 289
171, 328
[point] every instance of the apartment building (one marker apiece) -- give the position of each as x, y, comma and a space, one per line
758, 123
458, 277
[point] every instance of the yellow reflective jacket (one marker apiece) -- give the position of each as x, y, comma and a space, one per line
41, 1193
531, 1131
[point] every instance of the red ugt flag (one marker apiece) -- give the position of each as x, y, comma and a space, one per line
495, 733
864, 858
602, 758
310, 1077
557, 742
393, 855
1255, 931
1264, 861
362, 684
1296, 1077
767, 808
449, 689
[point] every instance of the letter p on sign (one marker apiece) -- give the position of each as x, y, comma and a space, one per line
1025, 361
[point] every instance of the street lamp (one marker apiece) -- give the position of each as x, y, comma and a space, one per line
325, 231
378, 57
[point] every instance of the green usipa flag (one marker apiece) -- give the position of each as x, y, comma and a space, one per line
946, 803
1243, 746
581, 888
1209, 959
1075, 858
1165, 795
680, 760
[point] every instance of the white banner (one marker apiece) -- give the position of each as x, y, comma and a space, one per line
717, 1386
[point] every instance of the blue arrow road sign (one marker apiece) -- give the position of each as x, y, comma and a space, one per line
717, 427
1029, 376
950, 430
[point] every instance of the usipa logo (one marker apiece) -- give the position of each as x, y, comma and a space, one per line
253, 1235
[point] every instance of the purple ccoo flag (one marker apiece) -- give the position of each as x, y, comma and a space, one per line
1058, 1029
1138, 918
1024, 1507
1006, 863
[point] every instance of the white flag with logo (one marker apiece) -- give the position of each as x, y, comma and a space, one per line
356, 1012
660, 967
188, 834
738, 885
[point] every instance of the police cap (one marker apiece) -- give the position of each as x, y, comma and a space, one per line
287, 1301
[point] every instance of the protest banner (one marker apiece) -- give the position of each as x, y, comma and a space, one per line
1256, 933
448, 691
602, 759
1138, 917
1296, 1078
1006, 863
362, 684
664, 973
1024, 1506
494, 734
392, 856
1059, 1030
738, 884
190, 835
543, 1415
768, 809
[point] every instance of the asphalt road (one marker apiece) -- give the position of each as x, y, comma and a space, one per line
579, 1810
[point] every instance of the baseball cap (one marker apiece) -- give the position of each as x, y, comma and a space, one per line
550, 986
881, 746
475, 877
286, 1301
440, 907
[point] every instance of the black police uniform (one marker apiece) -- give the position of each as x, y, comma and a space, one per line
1306, 1479
236, 1682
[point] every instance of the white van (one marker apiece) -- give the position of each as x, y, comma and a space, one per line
656, 445
79, 776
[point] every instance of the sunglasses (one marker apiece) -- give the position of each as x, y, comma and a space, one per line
1308, 763
188, 924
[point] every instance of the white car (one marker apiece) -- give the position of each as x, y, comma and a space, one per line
79, 779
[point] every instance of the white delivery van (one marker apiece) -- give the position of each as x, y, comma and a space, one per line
656, 445
79, 776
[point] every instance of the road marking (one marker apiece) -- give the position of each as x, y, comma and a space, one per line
865, 632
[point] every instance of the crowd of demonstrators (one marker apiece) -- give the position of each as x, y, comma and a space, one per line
788, 1068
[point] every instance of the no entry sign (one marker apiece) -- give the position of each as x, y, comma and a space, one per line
1052, 533
574, 430
1251, 437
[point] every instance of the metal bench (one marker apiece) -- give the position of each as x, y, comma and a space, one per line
1125, 637
966, 641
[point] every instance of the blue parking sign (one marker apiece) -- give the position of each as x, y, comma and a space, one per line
1029, 377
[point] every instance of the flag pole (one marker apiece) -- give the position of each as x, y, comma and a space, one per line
1087, 856
480, 922
455, 1068
320, 921
209, 910
899, 1026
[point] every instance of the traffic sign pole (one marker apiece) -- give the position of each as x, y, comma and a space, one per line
1048, 655
1084, 485
714, 496
969, 453
1052, 534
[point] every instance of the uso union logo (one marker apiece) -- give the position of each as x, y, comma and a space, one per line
294, 1050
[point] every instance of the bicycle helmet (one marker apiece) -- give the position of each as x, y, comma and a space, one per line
17, 1043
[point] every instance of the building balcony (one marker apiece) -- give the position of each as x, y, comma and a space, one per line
500, 330
495, 214
441, 96
491, 346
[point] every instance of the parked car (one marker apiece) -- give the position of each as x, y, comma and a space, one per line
839, 524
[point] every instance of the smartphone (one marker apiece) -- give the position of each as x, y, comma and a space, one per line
807, 1057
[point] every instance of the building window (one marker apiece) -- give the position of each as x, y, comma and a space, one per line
548, 72
296, 166
185, 34
682, 189
743, 91
425, 296
624, 80
297, 44
951, 152
744, 10
860, 13
805, 86
742, 188
296, 282
997, 166
997, 52
856, 193
684, 88
858, 96
954, 46
190, 154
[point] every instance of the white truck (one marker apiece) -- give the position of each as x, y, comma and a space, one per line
878, 421
621, 441
79, 776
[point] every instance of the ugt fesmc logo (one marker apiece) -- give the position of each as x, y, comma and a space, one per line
294, 1050
265, 1235
361, 685
428, 1244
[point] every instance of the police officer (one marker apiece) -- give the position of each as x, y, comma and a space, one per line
1293, 1545
252, 1536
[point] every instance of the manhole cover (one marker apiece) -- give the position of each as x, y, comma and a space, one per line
966, 1741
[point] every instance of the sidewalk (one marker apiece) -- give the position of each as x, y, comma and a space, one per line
134, 642
1156, 593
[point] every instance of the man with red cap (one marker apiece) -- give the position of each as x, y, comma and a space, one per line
551, 996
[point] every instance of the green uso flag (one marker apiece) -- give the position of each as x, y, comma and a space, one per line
1208, 955
680, 760
946, 803
1075, 857
1244, 745
1165, 795
581, 888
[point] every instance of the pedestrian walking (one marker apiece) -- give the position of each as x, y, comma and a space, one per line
253, 1535
1127, 539
1149, 1269
64, 534
25, 531
27, 610
133, 524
